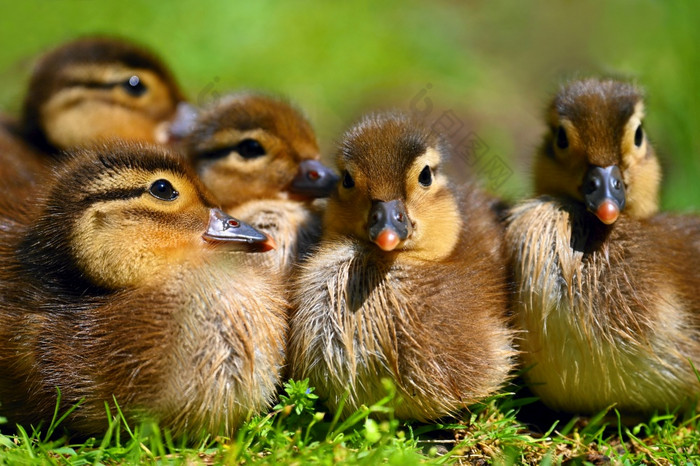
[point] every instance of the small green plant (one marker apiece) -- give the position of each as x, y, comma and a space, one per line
298, 398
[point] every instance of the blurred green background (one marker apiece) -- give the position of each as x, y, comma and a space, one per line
487, 68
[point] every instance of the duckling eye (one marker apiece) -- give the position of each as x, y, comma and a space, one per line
562, 140
133, 86
250, 149
163, 190
426, 177
638, 136
348, 182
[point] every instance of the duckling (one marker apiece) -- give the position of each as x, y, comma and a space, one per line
408, 283
87, 90
98, 88
125, 281
259, 156
606, 288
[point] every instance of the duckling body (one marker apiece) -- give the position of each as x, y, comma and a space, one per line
21, 164
425, 309
606, 294
123, 282
611, 314
259, 156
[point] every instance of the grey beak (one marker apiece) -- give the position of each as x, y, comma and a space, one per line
603, 192
314, 180
224, 228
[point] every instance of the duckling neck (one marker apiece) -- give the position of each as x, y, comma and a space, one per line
54, 269
588, 233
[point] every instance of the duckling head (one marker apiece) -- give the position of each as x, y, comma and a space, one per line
597, 151
393, 191
251, 146
98, 88
119, 215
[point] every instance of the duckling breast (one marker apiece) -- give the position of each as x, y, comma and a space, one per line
359, 319
228, 350
294, 226
199, 353
600, 328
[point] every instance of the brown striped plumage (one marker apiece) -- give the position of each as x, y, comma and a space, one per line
429, 314
108, 290
610, 313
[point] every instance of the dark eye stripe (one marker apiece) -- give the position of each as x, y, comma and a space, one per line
247, 148
94, 84
125, 194
113, 195
216, 153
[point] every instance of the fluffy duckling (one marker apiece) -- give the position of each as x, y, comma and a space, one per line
122, 282
98, 88
259, 156
85, 91
408, 283
606, 290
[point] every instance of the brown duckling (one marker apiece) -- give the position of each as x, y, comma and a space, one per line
122, 282
98, 88
606, 289
82, 92
259, 156
408, 282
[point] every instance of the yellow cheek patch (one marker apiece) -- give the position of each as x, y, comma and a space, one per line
631, 154
437, 223
120, 243
433, 210
552, 177
347, 209
68, 127
347, 215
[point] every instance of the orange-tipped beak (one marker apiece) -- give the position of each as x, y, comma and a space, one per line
268, 245
603, 192
607, 212
388, 224
387, 239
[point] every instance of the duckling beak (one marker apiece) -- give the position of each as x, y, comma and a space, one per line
182, 124
388, 224
223, 228
603, 192
313, 180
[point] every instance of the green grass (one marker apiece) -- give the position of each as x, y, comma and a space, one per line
298, 431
